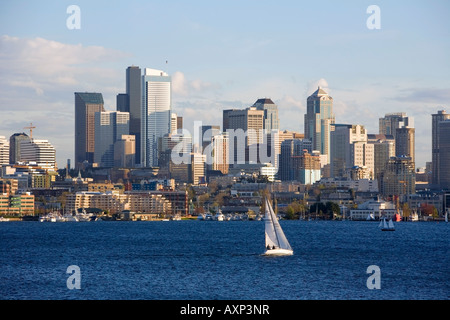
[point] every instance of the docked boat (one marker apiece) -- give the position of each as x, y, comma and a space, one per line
219, 216
386, 226
276, 241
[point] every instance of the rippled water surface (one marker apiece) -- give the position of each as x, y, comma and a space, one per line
186, 260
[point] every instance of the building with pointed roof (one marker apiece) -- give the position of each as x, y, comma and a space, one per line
318, 120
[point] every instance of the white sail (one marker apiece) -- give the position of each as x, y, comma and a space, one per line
391, 224
274, 234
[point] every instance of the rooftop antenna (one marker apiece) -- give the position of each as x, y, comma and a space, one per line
31, 129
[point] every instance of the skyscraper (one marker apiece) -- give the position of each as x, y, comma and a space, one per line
291, 150
271, 120
14, 146
39, 151
349, 148
399, 178
405, 142
318, 120
444, 154
109, 128
4, 150
156, 110
134, 93
86, 105
245, 131
436, 119
393, 121
220, 152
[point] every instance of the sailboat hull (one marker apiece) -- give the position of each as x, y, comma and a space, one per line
279, 252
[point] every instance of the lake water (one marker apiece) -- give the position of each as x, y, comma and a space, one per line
211, 260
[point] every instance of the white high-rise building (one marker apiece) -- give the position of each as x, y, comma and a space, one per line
39, 151
4, 150
156, 113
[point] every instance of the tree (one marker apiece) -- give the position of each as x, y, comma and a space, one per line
290, 214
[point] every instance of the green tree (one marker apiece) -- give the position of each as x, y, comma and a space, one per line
290, 214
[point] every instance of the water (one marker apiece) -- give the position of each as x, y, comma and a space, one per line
202, 260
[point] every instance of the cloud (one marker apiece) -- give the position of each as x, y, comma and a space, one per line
45, 65
39, 77
424, 95
184, 87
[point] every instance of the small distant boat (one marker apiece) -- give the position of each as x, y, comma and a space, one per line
276, 242
370, 217
414, 217
3, 219
219, 216
446, 215
201, 217
387, 226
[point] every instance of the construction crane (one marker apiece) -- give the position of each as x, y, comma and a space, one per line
31, 130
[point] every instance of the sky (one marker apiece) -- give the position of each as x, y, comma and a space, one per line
226, 54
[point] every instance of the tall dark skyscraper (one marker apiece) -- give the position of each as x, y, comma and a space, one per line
86, 105
134, 89
14, 146
435, 143
444, 154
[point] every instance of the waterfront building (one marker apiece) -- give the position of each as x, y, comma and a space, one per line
374, 210
441, 115
16, 204
86, 105
156, 110
149, 202
318, 120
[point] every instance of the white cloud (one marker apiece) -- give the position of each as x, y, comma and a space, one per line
39, 77
184, 87
46, 65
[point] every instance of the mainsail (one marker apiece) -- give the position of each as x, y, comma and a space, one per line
274, 234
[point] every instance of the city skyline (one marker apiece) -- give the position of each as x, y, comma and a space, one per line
271, 51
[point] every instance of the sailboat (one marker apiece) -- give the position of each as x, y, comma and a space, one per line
387, 226
276, 242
